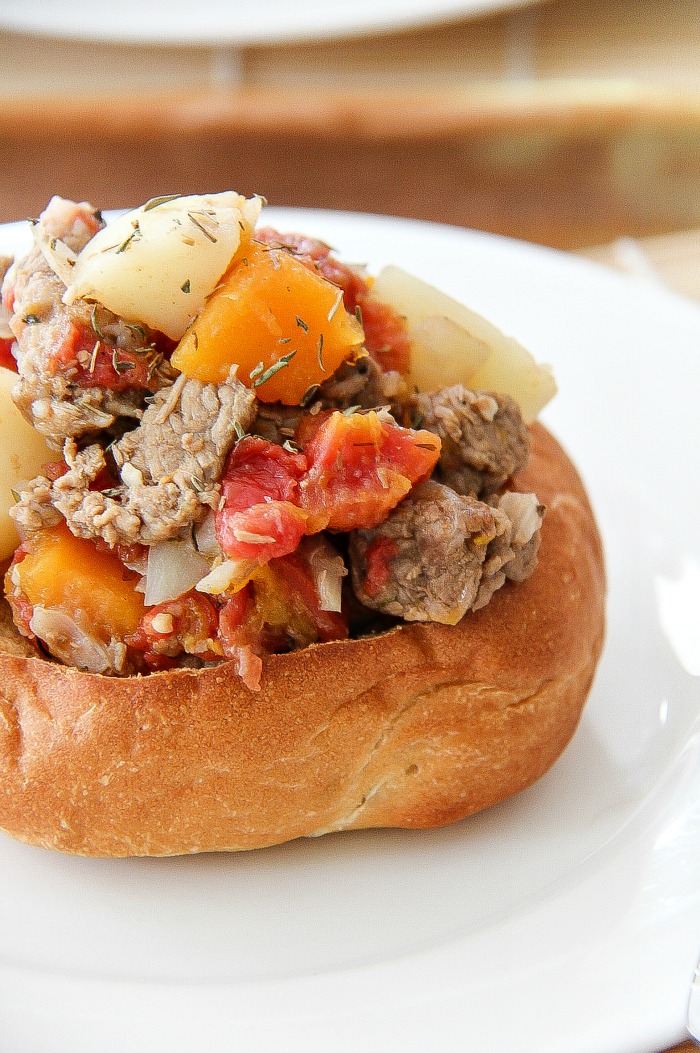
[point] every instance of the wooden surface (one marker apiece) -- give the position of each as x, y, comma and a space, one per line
570, 123
575, 167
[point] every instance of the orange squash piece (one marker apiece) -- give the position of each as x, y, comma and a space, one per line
282, 324
68, 574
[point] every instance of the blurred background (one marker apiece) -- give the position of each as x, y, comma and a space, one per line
572, 123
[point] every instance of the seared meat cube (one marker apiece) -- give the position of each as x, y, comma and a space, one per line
170, 467
484, 439
440, 554
58, 390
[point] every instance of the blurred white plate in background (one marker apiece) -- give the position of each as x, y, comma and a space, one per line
233, 22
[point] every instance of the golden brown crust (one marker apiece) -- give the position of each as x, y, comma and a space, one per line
417, 727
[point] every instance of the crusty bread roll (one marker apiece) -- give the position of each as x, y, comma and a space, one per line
417, 727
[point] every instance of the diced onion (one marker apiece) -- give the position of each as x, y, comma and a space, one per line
67, 641
328, 570
59, 257
205, 537
523, 512
174, 567
231, 574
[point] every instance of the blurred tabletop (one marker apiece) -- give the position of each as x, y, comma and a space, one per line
565, 122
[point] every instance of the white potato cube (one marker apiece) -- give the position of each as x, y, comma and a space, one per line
23, 452
157, 264
452, 344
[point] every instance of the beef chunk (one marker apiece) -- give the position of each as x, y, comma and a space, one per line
169, 465
512, 555
362, 384
44, 328
484, 439
440, 554
34, 508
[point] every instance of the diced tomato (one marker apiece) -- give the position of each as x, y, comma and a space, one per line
7, 359
290, 602
378, 557
328, 625
262, 532
361, 467
240, 637
187, 625
261, 517
309, 425
258, 470
54, 470
386, 335
102, 365
95, 363
354, 470
278, 610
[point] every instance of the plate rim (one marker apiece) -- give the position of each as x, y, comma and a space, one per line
257, 29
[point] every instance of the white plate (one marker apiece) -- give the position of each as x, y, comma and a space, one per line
564, 920
227, 22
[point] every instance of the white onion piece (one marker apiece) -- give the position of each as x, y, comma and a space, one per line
523, 512
67, 641
174, 567
328, 571
205, 537
231, 574
59, 257
158, 263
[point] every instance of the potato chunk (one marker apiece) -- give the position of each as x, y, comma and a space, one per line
24, 452
452, 344
157, 264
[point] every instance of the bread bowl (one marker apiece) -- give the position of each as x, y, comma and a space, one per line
414, 725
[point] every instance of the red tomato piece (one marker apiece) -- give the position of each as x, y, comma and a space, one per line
94, 363
240, 637
7, 359
378, 557
360, 468
187, 625
261, 517
386, 335
354, 470
294, 579
278, 610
